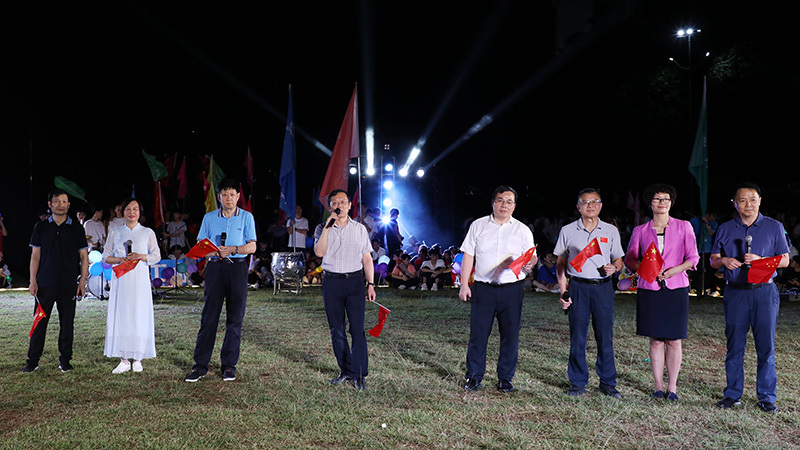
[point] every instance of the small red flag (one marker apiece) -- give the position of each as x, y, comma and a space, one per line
652, 263
125, 267
201, 249
590, 250
383, 313
761, 270
526, 257
39, 315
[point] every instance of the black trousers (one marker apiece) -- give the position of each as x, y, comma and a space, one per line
225, 282
347, 297
64, 300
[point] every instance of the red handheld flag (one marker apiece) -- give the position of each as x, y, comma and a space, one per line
39, 315
526, 257
590, 250
651, 265
125, 267
761, 270
383, 313
201, 249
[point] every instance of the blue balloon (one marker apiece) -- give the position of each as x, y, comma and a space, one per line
167, 273
105, 265
107, 273
458, 257
96, 269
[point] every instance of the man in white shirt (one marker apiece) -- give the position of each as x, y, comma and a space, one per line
95, 230
492, 243
297, 229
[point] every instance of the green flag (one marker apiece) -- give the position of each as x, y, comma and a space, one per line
156, 168
70, 188
698, 162
215, 172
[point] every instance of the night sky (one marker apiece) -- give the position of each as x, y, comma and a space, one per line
582, 94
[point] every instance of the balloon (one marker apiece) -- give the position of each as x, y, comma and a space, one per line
192, 268
383, 268
105, 265
383, 260
167, 272
107, 273
95, 256
458, 258
183, 267
624, 284
157, 282
457, 267
96, 269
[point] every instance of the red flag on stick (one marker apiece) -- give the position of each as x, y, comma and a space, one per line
183, 188
526, 257
39, 315
346, 148
590, 250
761, 270
201, 249
125, 267
652, 263
383, 313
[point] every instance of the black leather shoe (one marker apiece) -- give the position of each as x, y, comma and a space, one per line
505, 386
473, 384
359, 384
342, 378
659, 395
767, 407
727, 403
575, 391
610, 391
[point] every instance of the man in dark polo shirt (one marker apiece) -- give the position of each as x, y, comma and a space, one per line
59, 254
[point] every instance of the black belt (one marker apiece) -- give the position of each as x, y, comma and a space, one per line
215, 259
748, 286
591, 280
343, 276
499, 284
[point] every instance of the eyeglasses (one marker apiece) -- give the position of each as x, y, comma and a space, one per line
590, 202
500, 201
662, 200
336, 203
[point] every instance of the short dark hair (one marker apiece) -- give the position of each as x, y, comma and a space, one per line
335, 192
589, 191
129, 201
228, 183
504, 188
55, 193
376, 240
394, 212
653, 189
747, 185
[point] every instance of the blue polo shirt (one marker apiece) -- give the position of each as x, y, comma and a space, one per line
769, 239
60, 246
240, 228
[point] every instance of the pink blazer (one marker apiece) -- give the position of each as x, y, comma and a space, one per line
680, 244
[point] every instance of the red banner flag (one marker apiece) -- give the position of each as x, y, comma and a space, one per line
346, 148
201, 249
590, 250
125, 267
183, 187
248, 165
158, 205
652, 263
39, 315
383, 313
526, 257
761, 270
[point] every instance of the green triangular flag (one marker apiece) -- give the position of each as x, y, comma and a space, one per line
70, 188
156, 168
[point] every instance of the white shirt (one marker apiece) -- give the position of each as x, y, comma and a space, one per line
495, 246
370, 222
300, 238
346, 247
96, 230
378, 254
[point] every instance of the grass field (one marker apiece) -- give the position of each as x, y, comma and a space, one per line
282, 397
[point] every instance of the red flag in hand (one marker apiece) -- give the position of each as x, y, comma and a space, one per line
590, 250
383, 313
761, 270
652, 263
201, 249
125, 267
37, 317
526, 257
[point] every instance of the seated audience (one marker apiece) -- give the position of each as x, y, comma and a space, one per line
434, 272
404, 275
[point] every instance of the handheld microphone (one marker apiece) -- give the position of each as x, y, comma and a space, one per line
565, 297
333, 219
128, 245
748, 244
222, 238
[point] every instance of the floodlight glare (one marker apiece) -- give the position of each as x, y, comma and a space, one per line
370, 171
387, 202
680, 33
420, 173
388, 167
403, 171
353, 170
370, 140
388, 185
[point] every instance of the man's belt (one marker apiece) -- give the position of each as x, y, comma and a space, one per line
495, 284
590, 280
342, 276
216, 259
748, 286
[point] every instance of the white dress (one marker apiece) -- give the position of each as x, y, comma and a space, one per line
130, 327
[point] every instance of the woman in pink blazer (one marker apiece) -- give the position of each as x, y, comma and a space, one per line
662, 307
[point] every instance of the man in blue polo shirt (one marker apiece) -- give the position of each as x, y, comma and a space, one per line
591, 293
739, 242
59, 254
233, 230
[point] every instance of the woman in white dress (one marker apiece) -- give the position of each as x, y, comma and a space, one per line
130, 328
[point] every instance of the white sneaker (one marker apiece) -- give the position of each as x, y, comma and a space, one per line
137, 366
123, 367
424, 287
413, 288
402, 286
435, 287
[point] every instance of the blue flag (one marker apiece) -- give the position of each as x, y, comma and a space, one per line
698, 162
288, 178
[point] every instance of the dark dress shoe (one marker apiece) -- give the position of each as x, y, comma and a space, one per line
671, 396
768, 407
659, 395
473, 384
576, 391
359, 384
727, 403
342, 378
505, 386
609, 390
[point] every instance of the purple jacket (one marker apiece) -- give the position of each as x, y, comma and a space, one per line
680, 245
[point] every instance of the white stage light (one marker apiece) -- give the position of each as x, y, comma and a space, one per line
420, 173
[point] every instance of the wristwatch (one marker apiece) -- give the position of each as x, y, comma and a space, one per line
371, 284
236, 251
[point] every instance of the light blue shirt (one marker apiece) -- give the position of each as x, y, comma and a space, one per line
239, 229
